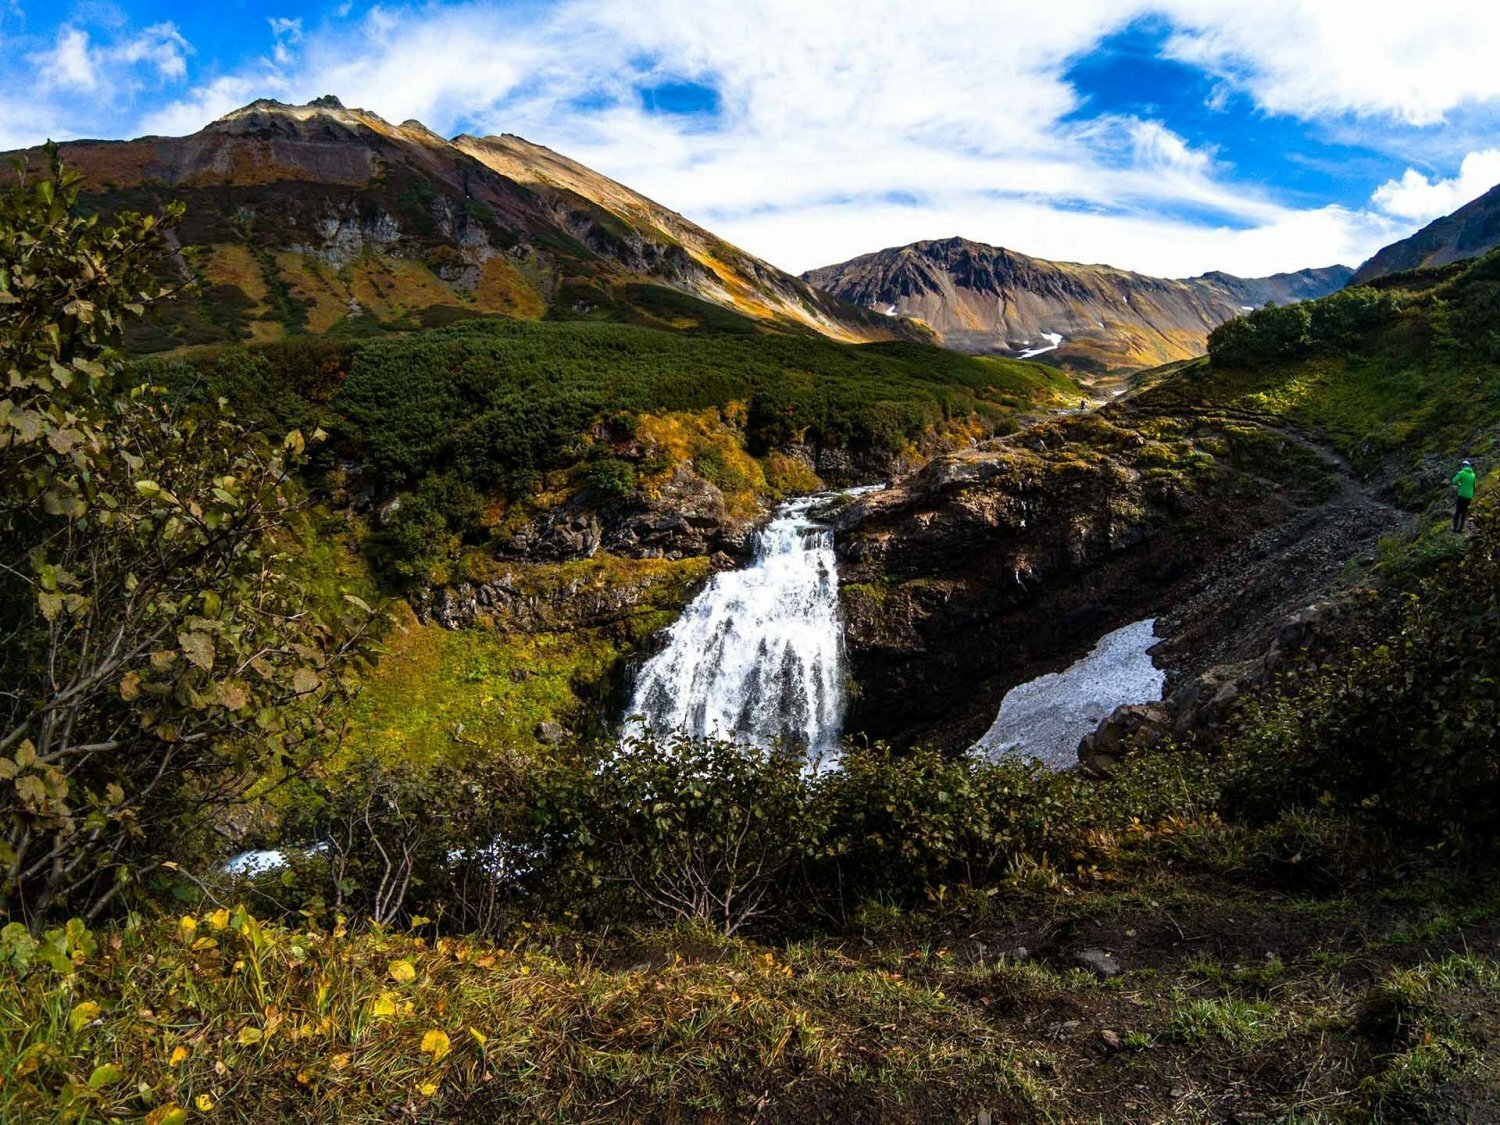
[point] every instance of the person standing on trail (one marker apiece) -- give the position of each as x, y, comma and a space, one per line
1463, 486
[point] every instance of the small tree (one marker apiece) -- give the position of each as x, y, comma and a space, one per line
155, 656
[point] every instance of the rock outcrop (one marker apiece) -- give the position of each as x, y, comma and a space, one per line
993, 566
1200, 706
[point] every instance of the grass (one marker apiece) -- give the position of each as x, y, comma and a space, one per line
444, 695
926, 1016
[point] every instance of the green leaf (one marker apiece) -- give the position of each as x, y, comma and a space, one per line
104, 1076
82, 1014
50, 605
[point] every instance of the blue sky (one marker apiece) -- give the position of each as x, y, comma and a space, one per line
1171, 136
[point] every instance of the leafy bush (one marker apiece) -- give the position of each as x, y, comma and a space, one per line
487, 407
1401, 730
709, 831
1337, 323
612, 478
158, 655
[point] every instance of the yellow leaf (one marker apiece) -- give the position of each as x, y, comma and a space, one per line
383, 1006
167, 1115
219, 919
435, 1043
199, 648
233, 694
427, 1089
402, 971
204, 1103
188, 925
338, 1062
479, 1037
249, 1035
179, 1053
130, 687
84, 1013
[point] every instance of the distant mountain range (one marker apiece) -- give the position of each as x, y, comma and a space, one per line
319, 218
989, 300
1470, 231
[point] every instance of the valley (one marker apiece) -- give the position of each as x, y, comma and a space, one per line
500, 550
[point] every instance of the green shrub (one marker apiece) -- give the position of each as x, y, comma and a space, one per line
1402, 730
611, 478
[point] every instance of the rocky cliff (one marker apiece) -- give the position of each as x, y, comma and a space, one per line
1470, 231
989, 300
322, 218
995, 565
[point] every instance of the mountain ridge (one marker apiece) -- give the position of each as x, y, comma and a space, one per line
321, 218
1469, 231
992, 300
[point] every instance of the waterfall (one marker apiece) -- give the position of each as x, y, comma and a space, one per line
758, 655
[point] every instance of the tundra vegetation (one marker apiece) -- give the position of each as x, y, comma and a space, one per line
1293, 924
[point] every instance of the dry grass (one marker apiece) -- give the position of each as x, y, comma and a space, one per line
908, 1018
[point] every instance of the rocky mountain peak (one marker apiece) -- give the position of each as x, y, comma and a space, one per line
993, 300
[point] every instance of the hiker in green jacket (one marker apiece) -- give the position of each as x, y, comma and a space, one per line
1463, 485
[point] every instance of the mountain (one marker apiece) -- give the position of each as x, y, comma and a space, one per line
1470, 231
321, 218
989, 300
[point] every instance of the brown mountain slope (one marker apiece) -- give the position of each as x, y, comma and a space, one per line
1470, 231
989, 300
714, 270
320, 218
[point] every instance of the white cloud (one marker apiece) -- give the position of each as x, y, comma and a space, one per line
848, 125
74, 63
69, 63
1414, 196
160, 47
1411, 62
286, 33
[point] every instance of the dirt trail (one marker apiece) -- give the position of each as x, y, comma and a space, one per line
1234, 611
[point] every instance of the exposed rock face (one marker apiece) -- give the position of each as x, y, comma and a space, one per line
351, 215
1200, 705
516, 600
1470, 231
989, 300
991, 567
688, 517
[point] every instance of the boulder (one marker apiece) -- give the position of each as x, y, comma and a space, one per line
1134, 725
1098, 962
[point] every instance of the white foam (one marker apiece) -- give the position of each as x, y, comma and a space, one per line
758, 656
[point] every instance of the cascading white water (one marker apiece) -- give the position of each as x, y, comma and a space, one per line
758, 656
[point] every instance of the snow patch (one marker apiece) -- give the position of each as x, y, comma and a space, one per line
1053, 340
1046, 718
